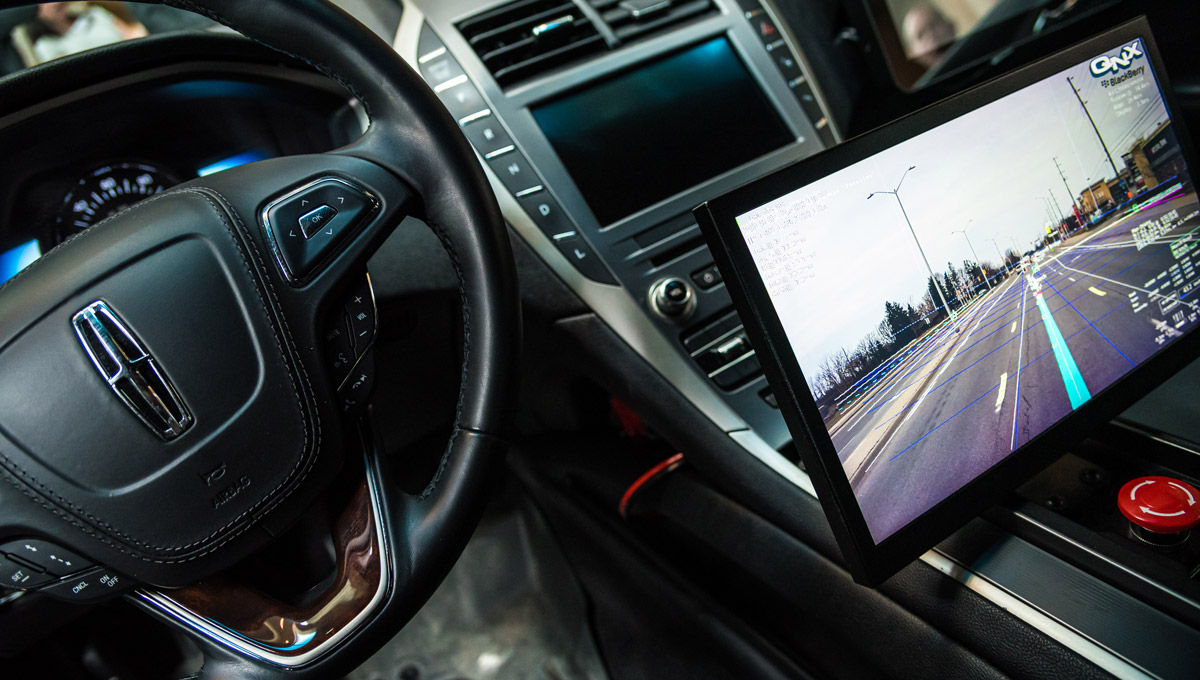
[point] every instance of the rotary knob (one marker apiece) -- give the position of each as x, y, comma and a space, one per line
672, 299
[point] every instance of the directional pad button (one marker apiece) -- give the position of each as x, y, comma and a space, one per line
308, 224
311, 223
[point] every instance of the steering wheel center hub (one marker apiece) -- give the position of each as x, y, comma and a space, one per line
180, 400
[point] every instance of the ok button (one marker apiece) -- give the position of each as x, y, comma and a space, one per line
312, 222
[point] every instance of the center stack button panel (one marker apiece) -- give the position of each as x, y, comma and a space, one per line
490, 139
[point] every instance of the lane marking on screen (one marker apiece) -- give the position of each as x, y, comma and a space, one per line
1020, 351
1089, 321
931, 342
933, 385
1154, 294
1000, 395
879, 383
942, 384
943, 423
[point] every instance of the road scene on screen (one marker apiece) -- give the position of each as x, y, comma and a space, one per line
953, 297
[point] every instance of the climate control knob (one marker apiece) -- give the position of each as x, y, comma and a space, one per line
672, 299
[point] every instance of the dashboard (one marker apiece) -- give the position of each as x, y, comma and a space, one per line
79, 164
600, 188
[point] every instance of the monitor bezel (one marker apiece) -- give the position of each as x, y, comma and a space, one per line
871, 563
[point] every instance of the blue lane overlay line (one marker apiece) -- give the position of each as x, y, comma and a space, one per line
932, 340
917, 366
1098, 267
1089, 322
937, 339
875, 407
918, 347
993, 387
947, 380
1077, 390
1072, 380
944, 383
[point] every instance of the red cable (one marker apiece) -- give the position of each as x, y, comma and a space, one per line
662, 468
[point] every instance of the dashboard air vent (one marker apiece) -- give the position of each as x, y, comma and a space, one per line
522, 39
633, 19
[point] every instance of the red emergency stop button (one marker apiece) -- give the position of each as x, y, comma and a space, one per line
1160, 504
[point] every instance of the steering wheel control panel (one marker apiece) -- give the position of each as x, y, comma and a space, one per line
305, 225
36, 564
349, 336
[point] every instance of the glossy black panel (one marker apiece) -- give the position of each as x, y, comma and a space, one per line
696, 114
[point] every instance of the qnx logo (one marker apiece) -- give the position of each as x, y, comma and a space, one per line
1102, 66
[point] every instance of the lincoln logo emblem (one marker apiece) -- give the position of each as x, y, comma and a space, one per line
123, 363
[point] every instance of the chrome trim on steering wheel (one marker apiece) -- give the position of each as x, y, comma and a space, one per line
162, 603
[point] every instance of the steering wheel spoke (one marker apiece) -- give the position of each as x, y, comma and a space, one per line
320, 216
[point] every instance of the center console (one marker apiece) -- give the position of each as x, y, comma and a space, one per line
602, 123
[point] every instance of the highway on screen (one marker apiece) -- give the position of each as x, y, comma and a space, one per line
1043, 341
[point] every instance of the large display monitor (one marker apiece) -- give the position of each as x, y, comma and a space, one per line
944, 304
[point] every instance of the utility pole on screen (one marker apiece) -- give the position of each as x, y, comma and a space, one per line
1074, 203
1075, 90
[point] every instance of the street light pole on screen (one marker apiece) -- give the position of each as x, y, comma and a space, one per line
938, 286
963, 231
1003, 260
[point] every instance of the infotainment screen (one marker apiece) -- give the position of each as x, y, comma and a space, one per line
649, 133
975, 283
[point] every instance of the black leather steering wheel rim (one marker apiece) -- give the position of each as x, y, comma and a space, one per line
412, 137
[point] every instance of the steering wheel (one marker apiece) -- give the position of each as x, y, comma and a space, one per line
167, 404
